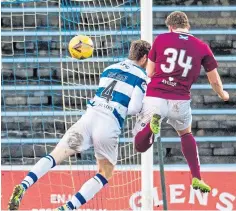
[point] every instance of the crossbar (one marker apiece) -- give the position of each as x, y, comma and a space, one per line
116, 33
118, 9
58, 60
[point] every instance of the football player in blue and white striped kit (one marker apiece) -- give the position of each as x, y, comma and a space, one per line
121, 90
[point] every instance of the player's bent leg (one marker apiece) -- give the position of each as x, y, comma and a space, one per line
149, 122
39, 170
190, 152
180, 118
104, 134
145, 138
91, 187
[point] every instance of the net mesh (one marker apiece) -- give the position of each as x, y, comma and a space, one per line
45, 91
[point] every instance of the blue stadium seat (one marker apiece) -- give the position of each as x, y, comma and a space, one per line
79, 113
93, 59
91, 87
122, 140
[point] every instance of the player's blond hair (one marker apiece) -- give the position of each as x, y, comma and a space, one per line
138, 49
177, 19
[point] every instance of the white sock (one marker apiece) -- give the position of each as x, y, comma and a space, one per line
87, 191
39, 169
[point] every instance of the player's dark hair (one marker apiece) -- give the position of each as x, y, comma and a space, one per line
138, 49
177, 19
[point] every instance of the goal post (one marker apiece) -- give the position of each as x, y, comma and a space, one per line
147, 157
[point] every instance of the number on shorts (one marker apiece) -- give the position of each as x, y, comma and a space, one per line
107, 92
172, 61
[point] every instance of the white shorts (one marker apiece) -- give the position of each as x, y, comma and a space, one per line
178, 113
96, 129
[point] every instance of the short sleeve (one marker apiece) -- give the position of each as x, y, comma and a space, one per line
208, 62
152, 53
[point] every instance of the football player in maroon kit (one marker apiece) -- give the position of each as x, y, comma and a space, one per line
174, 65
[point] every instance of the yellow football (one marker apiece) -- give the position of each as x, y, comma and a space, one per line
81, 47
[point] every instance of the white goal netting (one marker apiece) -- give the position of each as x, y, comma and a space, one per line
45, 92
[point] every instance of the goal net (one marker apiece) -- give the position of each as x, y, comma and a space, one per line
45, 91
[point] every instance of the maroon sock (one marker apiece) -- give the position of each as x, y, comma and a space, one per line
189, 149
144, 139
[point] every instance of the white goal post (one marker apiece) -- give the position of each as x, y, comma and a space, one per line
147, 157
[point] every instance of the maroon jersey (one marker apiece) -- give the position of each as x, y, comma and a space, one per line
178, 58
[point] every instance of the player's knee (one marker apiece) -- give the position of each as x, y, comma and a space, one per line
141, 145
59, 154
185, 131
141, 148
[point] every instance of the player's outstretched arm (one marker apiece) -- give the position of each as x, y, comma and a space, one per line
135, 104
216, 84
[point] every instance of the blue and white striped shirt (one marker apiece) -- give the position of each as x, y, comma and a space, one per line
121, 90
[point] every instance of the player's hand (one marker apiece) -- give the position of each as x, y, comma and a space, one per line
224, 96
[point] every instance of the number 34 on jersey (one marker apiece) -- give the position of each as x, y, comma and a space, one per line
172, 55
